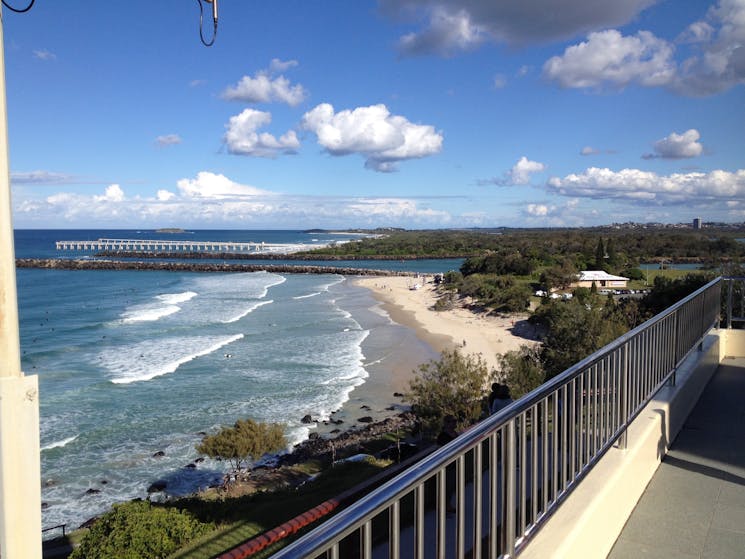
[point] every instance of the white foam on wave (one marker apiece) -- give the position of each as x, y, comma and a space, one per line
59, 444
165, 304
176, 298
308, 296
149, 314
246, 312
147, 360
278, 281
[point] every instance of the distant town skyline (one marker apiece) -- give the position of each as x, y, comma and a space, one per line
395, 113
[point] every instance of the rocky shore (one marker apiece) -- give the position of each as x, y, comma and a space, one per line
106, 264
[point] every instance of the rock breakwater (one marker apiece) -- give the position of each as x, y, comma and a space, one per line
91, 264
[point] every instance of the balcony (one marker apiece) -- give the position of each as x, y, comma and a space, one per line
559, 472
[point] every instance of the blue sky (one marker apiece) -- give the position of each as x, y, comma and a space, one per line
406, 113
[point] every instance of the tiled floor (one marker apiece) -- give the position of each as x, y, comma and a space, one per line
694, 506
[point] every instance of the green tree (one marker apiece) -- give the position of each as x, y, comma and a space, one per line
521, 370
455, 385
139, 530
600, 255
247, 440
575, 329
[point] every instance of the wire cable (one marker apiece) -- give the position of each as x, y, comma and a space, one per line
16, 10
201, 25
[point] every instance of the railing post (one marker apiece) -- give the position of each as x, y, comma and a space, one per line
624, 411
509, 463
730, 284
676, 337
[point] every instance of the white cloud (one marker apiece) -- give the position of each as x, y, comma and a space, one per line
113, 193
217, 186
43, 54
523, 169
609, 58
373, 132
454, 26
277, 65
648, 187
211, 199
242, 137
719, 62
539, 210
165, 195
678, 146
168, 140
518, 175
265, 88
589, 150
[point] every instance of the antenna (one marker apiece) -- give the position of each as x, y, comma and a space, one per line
27, 8
214, 21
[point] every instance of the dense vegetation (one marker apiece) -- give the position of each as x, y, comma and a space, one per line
139, 530
625, 247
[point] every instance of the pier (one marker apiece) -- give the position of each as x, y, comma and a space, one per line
150, 245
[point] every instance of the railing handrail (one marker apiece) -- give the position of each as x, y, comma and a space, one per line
349, 520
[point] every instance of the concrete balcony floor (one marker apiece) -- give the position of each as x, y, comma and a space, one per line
694, 506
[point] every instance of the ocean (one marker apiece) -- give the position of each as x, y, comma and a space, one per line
135, 366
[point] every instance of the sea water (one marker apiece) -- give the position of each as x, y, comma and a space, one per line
135, 366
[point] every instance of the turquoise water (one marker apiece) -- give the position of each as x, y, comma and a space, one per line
132, 363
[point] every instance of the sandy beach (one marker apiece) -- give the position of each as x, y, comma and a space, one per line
484, 334
419, 334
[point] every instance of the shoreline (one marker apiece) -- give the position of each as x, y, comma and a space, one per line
473, 332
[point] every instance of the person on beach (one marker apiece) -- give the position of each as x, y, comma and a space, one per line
499, 397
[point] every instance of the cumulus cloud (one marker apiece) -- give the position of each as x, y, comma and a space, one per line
452, 26
242, 136
164, 195
677, 146
523, 169
539, 210
381, 138
519, 174
264, 87
609, 58
211, 199
449, 31
113, 193
212, 185
716, 61
648, 187
168, 140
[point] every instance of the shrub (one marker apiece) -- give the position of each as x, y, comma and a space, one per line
139, 530
246, 440
454, 385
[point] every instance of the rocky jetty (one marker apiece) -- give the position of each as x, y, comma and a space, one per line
95, 264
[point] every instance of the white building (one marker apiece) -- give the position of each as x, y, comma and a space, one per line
601, 279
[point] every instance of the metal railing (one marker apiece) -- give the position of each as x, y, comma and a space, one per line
507, 474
